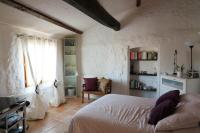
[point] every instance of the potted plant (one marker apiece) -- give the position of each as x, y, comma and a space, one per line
180, 70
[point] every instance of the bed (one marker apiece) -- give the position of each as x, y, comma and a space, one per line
117, 114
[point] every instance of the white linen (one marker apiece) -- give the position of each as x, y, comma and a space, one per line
117, 114
114, 114
187, 115
188, 130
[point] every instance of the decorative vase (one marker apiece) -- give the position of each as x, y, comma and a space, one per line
144, 55
179, 74
149, 55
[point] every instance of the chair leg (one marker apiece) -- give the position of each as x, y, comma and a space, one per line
82, 96
88, 97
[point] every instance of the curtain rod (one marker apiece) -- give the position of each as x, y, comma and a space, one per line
25, 35
19, 35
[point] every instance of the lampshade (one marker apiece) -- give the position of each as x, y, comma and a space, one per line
192, 43
189, 43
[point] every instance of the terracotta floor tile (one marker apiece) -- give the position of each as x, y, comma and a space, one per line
64, 118
61, 128
57, 119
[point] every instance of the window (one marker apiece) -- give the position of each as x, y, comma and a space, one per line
39, 60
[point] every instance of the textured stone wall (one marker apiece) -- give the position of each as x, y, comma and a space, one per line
5, 44
161, 24
11, 77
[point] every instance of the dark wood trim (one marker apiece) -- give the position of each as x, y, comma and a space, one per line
93, 9
39, 14
138, 3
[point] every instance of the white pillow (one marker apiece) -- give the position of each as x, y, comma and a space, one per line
186, 116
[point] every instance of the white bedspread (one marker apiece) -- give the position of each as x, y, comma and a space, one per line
114, 114
117, 114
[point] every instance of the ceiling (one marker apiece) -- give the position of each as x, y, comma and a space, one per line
61, 11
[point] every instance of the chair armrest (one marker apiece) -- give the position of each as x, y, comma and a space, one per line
83, 86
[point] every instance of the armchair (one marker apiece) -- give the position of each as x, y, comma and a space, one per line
97, 91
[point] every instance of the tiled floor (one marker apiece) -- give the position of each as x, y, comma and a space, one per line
57, 119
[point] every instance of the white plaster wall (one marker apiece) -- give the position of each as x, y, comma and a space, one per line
162, 24
7, 32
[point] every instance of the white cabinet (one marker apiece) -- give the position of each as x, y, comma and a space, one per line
70, 67
185, 85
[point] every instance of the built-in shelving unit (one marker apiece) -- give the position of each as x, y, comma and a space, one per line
70, 67
143, 72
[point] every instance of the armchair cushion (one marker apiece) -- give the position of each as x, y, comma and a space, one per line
103, 83
90, 84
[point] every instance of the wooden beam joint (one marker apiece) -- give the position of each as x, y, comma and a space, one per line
138, 3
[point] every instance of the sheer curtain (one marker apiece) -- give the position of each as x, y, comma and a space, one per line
40, 58
32, 64
40, 71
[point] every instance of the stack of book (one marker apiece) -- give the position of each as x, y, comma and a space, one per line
143, 55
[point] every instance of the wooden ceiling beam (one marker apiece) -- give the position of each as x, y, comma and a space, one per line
93, 9
39, 14
138, 3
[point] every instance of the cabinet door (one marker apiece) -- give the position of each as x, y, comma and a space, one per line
193, 86
168, 84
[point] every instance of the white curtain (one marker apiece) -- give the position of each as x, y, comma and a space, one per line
58, 95
40, 55
40, 64
37, 56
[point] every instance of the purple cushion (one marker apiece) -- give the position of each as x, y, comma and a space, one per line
161, 111
172, 95
90, 84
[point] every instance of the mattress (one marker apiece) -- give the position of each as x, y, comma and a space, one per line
117, 114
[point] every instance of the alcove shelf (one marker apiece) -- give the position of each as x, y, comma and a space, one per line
144, 72
144, 60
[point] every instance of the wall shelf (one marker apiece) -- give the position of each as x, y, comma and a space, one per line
144, 60
144, 90
143, 74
